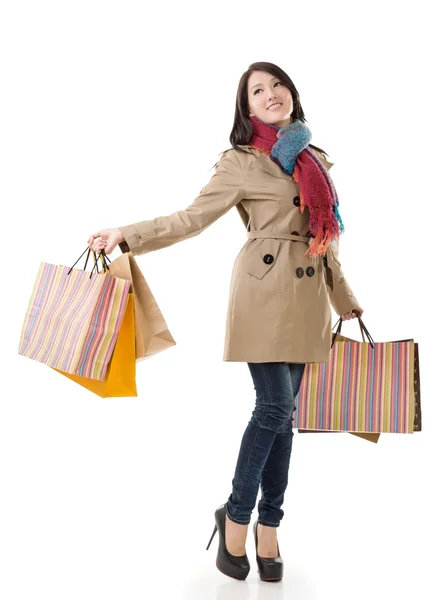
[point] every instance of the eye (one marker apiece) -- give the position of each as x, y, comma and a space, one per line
255, 91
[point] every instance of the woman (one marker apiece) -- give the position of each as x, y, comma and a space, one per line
283, 280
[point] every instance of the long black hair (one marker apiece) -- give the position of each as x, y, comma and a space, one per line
242, 131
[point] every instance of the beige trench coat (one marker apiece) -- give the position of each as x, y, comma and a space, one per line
279, 300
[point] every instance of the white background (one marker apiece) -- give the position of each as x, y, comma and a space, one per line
115, 112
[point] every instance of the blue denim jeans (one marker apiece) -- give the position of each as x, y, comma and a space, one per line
265, 450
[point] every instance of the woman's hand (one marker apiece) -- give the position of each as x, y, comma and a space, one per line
105, 239
352, 314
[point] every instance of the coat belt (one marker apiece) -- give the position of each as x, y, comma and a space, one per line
275, 235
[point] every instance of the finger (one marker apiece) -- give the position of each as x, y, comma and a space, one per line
106, 246
93, 240
97, 247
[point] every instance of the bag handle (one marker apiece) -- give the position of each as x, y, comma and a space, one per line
105, 260
363, 329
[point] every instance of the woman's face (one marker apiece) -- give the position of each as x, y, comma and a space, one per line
263, 90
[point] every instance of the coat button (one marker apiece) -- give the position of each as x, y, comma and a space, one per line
299, 272
296, 201
310, 271
295, 233
268, 259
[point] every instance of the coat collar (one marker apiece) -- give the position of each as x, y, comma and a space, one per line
269, 166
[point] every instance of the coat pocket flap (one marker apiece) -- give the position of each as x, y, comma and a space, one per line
262, 256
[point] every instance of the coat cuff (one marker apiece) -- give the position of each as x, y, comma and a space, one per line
133, 241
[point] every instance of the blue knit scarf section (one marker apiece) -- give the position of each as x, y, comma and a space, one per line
293, 139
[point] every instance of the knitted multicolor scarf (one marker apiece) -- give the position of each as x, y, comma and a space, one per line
288, 147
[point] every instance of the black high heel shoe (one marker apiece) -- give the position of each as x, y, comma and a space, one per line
237, 567
270, 569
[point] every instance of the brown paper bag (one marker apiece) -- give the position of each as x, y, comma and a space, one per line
151, 332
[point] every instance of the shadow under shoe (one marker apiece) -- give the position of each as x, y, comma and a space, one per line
270, 569
237, 567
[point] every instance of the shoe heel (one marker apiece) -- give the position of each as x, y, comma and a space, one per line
212, 536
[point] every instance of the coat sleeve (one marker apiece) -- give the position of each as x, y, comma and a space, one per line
340, 294
224, 190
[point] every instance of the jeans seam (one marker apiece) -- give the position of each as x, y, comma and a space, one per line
267, 386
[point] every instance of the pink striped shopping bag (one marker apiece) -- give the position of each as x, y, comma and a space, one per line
73, 319
366, 387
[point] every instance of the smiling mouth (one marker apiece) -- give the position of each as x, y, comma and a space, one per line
274, 106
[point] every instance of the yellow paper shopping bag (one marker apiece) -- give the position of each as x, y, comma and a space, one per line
120, 380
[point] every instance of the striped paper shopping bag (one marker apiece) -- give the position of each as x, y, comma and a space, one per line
365, 387
120, 380
73, 319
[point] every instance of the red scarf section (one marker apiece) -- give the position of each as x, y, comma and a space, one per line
317, 190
